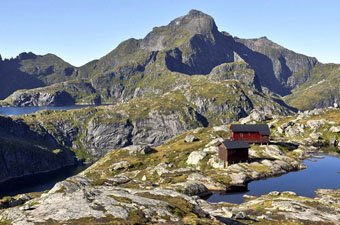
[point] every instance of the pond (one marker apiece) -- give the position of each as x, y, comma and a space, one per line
17, 111
42, 181
320, 173
38, 182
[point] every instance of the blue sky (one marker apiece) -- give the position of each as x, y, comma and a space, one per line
82, 30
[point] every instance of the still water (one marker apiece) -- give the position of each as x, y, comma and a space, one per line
38, 182
320, 173
17, 111
42, 181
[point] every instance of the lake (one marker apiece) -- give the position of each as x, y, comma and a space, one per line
38, 182
17, 111
320, 173
42, 181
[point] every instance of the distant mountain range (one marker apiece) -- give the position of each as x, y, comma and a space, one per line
170, 58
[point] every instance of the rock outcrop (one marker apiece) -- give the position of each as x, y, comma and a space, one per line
76, 201
59, 98
282, 208
312, 128
195, 157
26, 150
61, 94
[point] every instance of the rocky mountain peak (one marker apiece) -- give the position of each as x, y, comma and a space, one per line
265, 41
196, 22
180, 30
26, 55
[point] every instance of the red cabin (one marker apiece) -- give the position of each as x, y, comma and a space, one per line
252, 133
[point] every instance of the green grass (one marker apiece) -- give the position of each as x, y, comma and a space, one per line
175, 152
321, 88
5, 222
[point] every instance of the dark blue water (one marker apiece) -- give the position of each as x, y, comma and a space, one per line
38, 182
42, 181
16, 111
320, 173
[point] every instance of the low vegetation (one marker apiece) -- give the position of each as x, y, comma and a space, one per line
321, 90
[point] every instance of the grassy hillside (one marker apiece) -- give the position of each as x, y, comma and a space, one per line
321, 90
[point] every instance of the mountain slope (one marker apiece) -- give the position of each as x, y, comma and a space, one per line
30, 71
192, 44
189, 45
321, 90
26, 150
275, 65
91, 132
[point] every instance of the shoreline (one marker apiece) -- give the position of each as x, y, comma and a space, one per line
319, 155
19, 179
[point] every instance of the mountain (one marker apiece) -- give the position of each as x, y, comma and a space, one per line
276, 66
190, 45
321, 90
28, 71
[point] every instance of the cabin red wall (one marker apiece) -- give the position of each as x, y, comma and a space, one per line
250, 137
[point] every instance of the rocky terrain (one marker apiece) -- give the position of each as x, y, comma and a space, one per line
152, 120
189, 45
129, 183
313, 128
280, 208
60, 94
321, 90
26, 150
92, 132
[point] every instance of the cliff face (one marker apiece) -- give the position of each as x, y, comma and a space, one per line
274, 64
320, 91
60, 94
92, 132
26, 150
58, 98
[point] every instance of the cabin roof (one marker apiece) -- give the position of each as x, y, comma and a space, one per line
262, 128
229, 144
